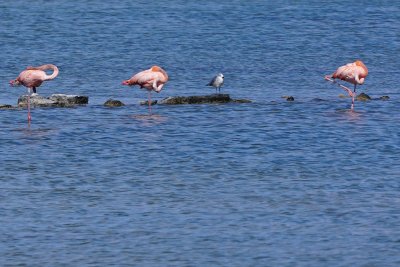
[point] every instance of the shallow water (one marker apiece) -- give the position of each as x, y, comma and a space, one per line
269, 183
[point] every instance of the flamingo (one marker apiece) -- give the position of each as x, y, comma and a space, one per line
354, 73
152, 79
217, 82
32, 78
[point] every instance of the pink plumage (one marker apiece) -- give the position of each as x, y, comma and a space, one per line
33, 77
152, 79
354, 73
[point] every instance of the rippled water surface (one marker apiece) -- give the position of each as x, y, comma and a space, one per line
268, 183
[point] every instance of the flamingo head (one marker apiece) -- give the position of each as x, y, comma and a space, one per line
14, 83
126, 82
155, 68
359, 63
362, 65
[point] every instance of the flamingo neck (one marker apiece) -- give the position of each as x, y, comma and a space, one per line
54, 74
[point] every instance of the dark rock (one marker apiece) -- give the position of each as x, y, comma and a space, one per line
146, 102
319, 99
113, 103
363, 97
384, 98
215, 98
5, 106
207, 99
56, 100
69, 100
288, 97
241, 101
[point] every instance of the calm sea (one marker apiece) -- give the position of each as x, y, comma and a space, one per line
269, 183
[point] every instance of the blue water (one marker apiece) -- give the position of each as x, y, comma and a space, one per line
269, 183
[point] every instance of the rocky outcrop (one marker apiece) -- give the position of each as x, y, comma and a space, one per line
113, 103
288, 97
69, 100
363, 97
55, 100
6, 106
241, 101
206, 99
146, 102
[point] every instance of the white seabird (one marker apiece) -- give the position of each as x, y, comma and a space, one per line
217, 82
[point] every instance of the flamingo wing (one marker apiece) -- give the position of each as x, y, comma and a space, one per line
31, 78
143, 77
345, 72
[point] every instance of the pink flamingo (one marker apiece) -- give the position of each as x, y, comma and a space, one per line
354, 73
32, 78
152, 79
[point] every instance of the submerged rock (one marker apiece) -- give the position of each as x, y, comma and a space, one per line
363, 97
206, 99
288, 97
6, 106
55, 100
146, 102
384, 98
113, 103
241, 100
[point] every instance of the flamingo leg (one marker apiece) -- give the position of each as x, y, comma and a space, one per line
149, 97
353, 96
349, 91
29, 105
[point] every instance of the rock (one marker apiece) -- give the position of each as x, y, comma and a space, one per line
241, 101
288, 97
206, 99
36, 100
69, 100
55, 100
113, 103
146, 102
6, 106
384, 98
363, 97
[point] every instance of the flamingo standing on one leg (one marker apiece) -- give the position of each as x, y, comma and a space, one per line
32, 78
152, 79
354, 73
